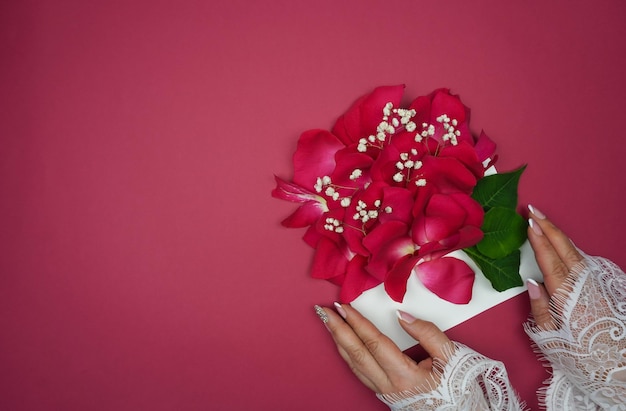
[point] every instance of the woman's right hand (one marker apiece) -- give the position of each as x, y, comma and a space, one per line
376, 360
556, 255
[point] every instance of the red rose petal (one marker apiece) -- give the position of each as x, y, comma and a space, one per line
314, 157
387, 243
366, 113
449, 278
330, 260
357, 280
485, 147
395, 283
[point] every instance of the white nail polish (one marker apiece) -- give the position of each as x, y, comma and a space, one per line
340, 310
533, 225
536, 212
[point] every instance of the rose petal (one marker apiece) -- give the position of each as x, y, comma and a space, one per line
449, 278
387, 243
473, 210
465, 237
314, 205
366, 113
422, 108
376, 240
314, 157
330, 260
442, 102
448, 175
485, 147
347, 162
400, 203
312, 236
385, 165
355, 230
357, 280
395, 283
293, 192
442, 217
445, 103
305, 215
466, 155
322, 223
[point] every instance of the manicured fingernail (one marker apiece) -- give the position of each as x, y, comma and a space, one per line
533, 289
535, 227
322, 314
406, 317
536, 212
340, 310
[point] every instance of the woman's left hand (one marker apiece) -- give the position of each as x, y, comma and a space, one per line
375, 359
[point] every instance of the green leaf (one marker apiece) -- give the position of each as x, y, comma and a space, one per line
505, 231
498, 190
503, 273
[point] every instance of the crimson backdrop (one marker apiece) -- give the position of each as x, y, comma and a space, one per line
142, 263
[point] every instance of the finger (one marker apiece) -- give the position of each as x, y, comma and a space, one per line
402, 372
384, 350
416, 375
353, 350
362, 377
429, 336
553, 268
540, 305
561, 242
554, 252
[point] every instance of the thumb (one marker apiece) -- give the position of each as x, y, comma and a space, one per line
540, 305
426, 333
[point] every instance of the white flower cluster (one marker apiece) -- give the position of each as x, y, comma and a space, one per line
393, 118
364, 215
428, 131
356, 173
406, 165
325, 184
332, 224
450, 126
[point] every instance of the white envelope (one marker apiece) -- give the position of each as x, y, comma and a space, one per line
380, 309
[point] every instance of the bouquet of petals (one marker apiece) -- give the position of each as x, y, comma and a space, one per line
390, 191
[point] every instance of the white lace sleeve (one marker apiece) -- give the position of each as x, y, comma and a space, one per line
469, 381
587, 351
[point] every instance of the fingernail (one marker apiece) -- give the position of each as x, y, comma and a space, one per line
536, 212
535, 227
340, 310
406, 317
322, 314
533, 289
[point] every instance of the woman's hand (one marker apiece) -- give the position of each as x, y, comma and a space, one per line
375, 359
556, 255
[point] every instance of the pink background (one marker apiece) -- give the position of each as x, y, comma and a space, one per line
142, 262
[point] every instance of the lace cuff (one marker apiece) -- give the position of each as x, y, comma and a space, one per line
587, 351
469, 381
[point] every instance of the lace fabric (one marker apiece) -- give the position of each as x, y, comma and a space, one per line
469, 381
586, 350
